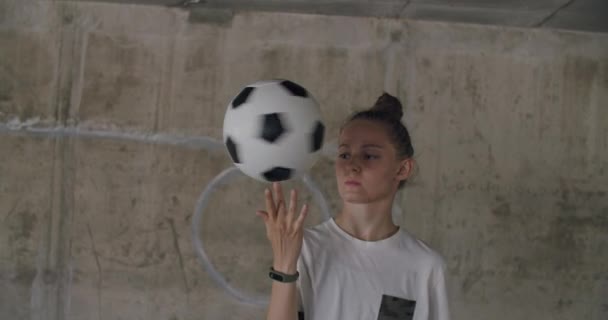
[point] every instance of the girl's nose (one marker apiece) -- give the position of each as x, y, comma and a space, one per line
353, 165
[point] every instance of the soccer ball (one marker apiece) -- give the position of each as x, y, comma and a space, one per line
273, 130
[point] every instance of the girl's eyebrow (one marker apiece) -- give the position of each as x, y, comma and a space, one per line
369, 145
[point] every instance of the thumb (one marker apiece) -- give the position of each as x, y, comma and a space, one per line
262, 214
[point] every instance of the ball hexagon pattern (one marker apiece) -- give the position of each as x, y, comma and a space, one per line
273, 130
272, 127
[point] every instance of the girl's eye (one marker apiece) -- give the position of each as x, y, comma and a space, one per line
371, 156
343, 156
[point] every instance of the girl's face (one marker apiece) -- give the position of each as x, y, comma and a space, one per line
367, 167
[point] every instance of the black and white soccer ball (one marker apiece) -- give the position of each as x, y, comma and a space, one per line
273, 130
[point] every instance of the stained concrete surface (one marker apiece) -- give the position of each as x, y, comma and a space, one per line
582, 15
510, 128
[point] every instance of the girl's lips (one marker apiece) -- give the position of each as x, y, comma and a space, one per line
352, 183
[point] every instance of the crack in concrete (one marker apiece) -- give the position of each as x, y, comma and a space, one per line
402, 10
99, 274
12, 210
552, 14
179, 253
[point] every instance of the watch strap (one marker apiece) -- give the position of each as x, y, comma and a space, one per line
282, 277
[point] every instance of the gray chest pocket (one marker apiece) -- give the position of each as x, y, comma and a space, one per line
395, 308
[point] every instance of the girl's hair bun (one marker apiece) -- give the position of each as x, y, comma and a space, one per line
389, 105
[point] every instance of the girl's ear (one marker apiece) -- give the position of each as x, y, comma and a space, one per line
406, 167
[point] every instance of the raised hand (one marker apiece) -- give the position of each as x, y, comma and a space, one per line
283, 228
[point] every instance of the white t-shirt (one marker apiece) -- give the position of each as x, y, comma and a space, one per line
345, 278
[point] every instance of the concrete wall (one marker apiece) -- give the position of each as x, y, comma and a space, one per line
110, 122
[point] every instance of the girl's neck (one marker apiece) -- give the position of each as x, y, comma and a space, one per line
368, 222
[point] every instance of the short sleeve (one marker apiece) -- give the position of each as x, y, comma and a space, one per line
304, 288
438, 297
300, 307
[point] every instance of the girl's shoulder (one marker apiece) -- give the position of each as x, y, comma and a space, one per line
422, 250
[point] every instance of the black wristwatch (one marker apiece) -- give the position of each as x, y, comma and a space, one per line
282, 277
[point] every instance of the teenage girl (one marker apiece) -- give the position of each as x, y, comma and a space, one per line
358, 265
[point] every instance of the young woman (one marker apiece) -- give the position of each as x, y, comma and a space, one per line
358, 265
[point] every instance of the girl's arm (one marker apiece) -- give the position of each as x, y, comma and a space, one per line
284, 230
